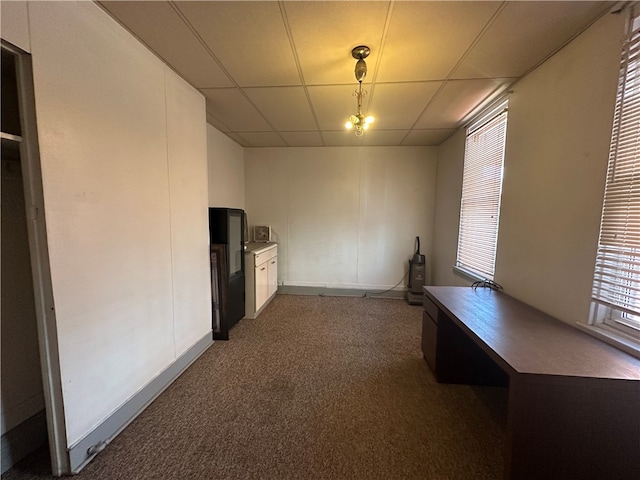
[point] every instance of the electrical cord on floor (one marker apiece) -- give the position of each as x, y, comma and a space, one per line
366, 294
486, 283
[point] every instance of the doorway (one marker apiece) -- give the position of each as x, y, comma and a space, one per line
31, 402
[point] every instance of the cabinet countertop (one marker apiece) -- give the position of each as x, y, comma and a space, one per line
257, 247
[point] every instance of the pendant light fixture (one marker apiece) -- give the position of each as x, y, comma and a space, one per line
358, 122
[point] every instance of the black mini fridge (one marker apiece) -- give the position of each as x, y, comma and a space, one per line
226, 234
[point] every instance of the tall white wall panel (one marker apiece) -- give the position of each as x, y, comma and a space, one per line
187, 153
447, 215
323, 218
344, 217
226, 170
555, 166
397, 202
110, 199
267, 184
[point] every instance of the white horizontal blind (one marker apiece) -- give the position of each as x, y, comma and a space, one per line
617, 273
481, 193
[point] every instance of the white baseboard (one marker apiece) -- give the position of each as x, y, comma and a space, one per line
339, 292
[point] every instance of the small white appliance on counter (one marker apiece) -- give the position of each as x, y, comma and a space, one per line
262, 233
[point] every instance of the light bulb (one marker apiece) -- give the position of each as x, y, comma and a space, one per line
369, 119
365, 126
349, 125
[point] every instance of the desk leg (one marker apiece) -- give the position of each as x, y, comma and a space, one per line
572, 428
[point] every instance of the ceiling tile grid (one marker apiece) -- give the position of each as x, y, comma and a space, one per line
547, 25
325, 32
280, 74
231, 107
398, 105
297, 115
150, 22
427, 39
249, 38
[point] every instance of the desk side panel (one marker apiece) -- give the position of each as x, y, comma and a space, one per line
564, 427
429, 340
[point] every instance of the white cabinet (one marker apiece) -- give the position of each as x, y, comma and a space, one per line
262, 285
272, 276
261, 278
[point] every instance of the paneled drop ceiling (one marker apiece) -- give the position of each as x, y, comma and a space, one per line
281, 73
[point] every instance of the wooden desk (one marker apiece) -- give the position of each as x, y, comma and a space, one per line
574, 401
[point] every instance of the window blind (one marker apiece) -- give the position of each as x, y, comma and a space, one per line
481, 193
617, 272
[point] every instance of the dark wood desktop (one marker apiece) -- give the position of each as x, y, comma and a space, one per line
574, 401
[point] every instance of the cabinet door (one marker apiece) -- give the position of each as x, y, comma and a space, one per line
273, 275
262, 284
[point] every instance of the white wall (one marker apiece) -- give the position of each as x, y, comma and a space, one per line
226, 170
447, 214
345, 217
188, 190
557, 146
123, 152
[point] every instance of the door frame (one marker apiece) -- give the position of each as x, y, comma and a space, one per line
40, 266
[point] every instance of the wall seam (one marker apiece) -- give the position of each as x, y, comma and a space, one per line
172, 269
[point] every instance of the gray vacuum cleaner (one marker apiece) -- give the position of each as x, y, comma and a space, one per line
417, 269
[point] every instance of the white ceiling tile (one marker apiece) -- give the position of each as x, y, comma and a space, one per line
158, 25
262, 139
249, 38
397, 106
333, 104
217, 123
375, 137
551, 24
455, 100
233, 108
430, 138
324, 34
302, 139
286, 108
425, 40
238, 139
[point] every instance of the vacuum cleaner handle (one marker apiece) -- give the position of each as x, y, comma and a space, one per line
418, 259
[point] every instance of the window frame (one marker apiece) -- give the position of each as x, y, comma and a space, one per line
615, 297
486, 126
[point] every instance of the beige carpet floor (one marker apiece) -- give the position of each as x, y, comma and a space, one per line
315, 388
